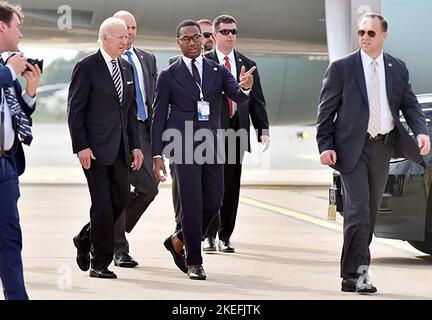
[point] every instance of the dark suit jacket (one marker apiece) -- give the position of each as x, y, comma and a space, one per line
17, 152
96, 118
149, 69
177, 92
343, 111
255, 107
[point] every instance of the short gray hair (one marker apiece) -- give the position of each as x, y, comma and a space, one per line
108, 23
122, 13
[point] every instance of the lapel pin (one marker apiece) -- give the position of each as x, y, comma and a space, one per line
390, 65
142, 57
240, 60
215, 69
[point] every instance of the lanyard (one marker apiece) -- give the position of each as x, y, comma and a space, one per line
201, 91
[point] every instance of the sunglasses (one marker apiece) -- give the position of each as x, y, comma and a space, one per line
370, 33
207, 35
226, 32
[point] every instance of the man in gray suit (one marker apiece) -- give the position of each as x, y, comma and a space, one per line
358, 131
143, 180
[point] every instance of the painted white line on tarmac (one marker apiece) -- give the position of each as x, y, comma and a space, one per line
325, 224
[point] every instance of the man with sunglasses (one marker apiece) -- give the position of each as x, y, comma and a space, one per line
188, 103
358, 131
207, 33
235, 118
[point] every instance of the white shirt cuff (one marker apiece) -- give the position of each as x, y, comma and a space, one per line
14, 76
157, 156
29, 100
246, 92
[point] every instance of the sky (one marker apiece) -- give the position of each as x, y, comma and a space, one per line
47, 54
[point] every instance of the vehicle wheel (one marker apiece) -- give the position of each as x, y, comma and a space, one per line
423, 246
426, 245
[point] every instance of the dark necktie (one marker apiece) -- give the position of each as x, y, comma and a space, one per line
117, 79
230, 103
195, 73
142, 115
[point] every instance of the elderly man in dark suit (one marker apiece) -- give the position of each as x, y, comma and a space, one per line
143, 180
187, 109
15, 109
104, 130
236, 119
358, 131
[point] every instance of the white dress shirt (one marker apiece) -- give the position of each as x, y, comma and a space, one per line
198, 64
387, 123
137, 63
108, 62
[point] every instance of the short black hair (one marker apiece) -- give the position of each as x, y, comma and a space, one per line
371, 15
223, 19
7, 11
187, 23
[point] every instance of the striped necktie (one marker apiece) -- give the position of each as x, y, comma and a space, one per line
23, 123
374, 124
117, 79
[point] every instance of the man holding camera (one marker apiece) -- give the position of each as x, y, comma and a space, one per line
15, 109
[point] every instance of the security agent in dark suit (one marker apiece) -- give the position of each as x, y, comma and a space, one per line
191, 91
143, 180
237, 118
358, 130
104, 130
15, 111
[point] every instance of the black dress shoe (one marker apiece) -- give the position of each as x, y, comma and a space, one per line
349, 285
125, 261
179, 258
83, 257
364, 284
225, 246
196, 272
209, 245
103, 274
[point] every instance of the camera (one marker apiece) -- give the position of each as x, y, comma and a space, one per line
34, 62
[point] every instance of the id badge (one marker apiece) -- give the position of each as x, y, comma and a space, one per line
203, 110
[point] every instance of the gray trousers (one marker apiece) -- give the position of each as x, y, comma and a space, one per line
145, 190
363, 189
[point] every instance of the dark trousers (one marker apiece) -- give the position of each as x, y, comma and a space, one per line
109, 192
175, 197
11, 267
224, 225
201, 190
145, 191
363, 189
